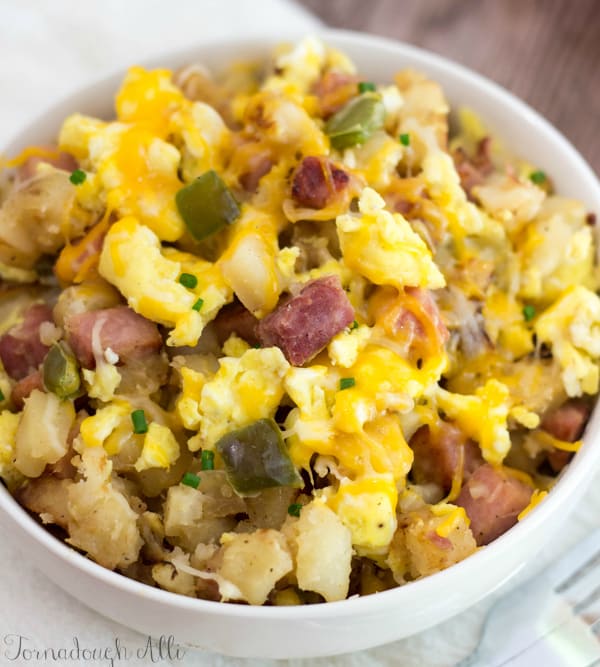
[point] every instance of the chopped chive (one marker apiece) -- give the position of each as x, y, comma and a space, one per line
347, 383
257, 346
207, 460
366, 87
528, 313
188, 280
140, 425
78, 177
354, 325
294, 509
404, 139
198, 305
190, 479
538, 177
1, 395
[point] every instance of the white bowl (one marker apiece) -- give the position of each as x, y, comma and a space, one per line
350, 625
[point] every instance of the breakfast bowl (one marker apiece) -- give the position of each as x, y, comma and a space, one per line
359, 622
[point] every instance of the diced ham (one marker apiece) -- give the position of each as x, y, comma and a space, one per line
492, 500
437, 455
236, 318
568, 421
304, 325
317, 182
558, 459
21, 349
61, 160
472, 171
24, 387
565, 423
126, 333
333, 90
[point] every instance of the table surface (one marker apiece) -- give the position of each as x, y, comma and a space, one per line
544, 51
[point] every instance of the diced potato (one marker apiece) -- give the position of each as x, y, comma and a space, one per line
418, 549
193, 517
42, 435
323, 548
255, 562
101, 522
35, 218
167, 577
48, 497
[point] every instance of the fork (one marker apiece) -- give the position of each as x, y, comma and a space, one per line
550, 621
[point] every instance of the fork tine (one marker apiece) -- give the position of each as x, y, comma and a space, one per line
587, 601
564, 573
588, 566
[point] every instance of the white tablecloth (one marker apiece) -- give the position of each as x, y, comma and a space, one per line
48, 49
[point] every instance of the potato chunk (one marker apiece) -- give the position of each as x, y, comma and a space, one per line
35, 446
101, 522
255, 562
323, 551
425, 543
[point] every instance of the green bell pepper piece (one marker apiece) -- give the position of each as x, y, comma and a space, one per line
61, 372
206, 205
256, 458
354, 123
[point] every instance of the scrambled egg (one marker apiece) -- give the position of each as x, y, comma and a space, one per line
383, 247
572, 327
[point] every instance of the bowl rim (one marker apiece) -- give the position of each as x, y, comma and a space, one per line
569, 484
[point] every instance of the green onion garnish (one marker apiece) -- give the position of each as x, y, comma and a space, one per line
188, 280
404, 139
198, 305
346, 383
354, 325
140, 425
2, 397
538, 177
294, 509
190, 479
528, 313
207, 460
78, 177
366, 87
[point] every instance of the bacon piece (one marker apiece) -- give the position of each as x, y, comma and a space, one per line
333, 90
24, 387
472, 171
236, 318
21, 349
126, 333
438, 453
568, 421
62, 160
304, 325
317, 182
492, 500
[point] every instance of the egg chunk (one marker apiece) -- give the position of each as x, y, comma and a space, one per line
382, 246
243, 390
572, 327
134, 160
133, 260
